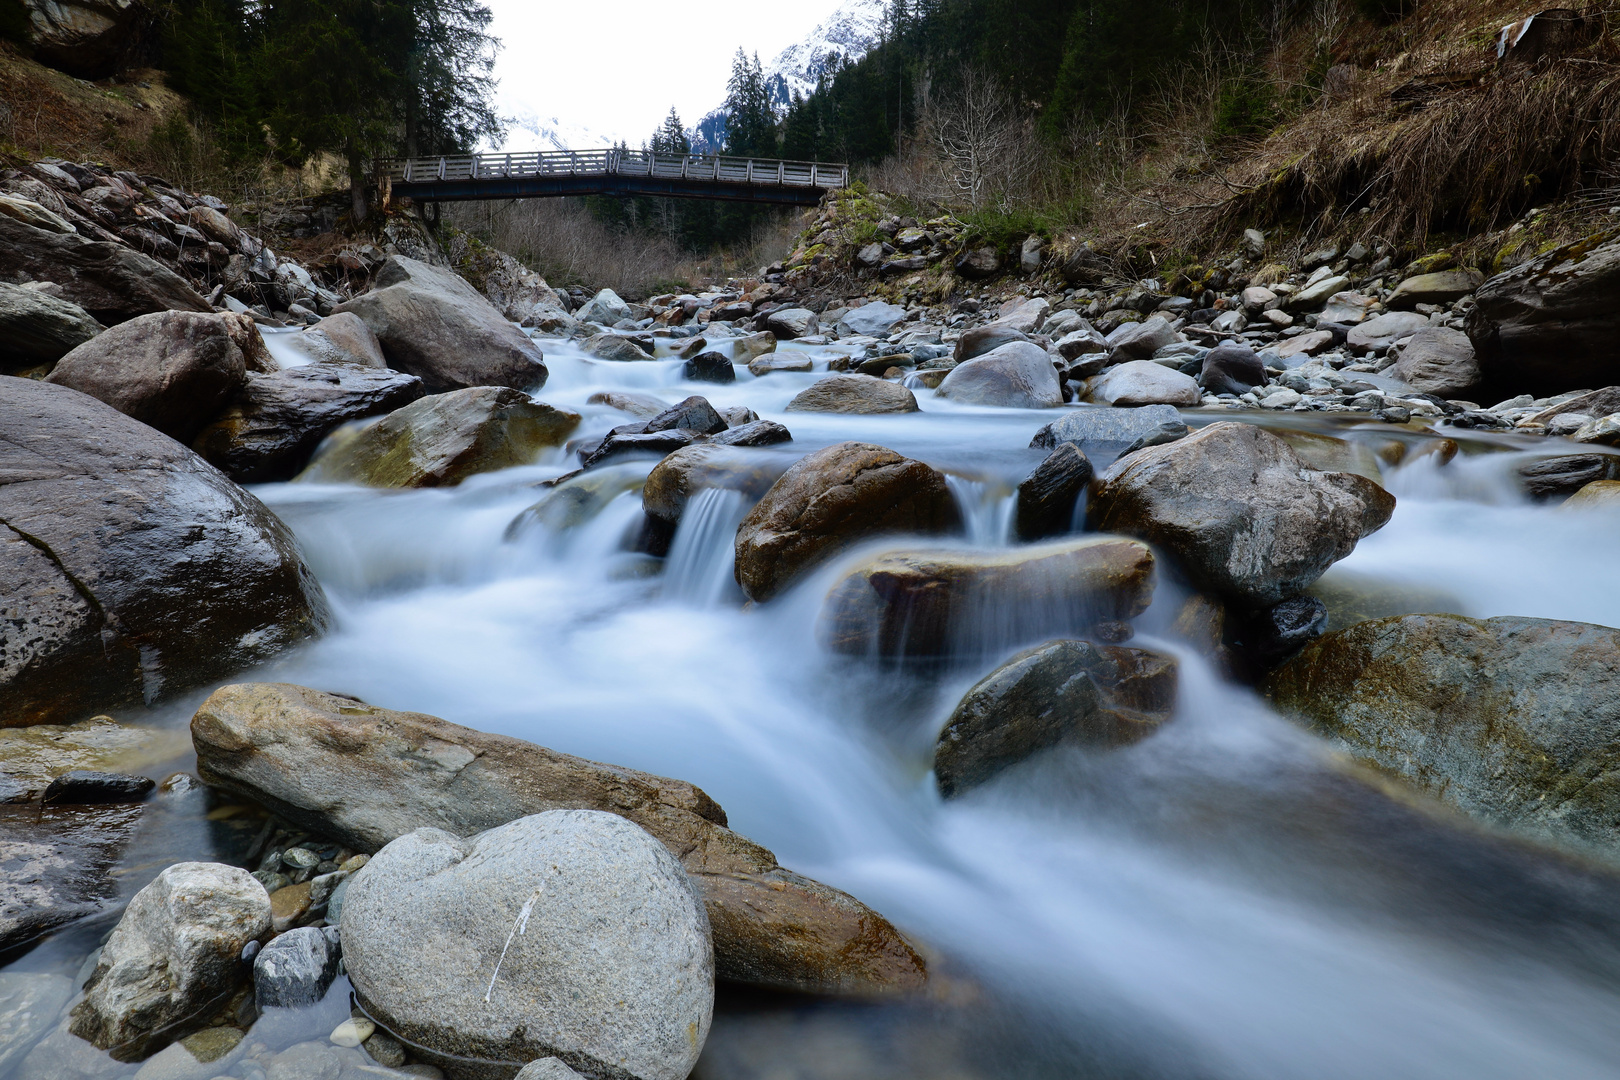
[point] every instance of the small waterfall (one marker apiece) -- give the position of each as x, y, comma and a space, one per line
987, 510
699, 567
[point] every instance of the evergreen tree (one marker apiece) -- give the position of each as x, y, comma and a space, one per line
670, 138
750, 120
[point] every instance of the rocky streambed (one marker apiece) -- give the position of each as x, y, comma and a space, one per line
655, 691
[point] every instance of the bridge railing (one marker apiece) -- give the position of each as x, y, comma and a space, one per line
757, 171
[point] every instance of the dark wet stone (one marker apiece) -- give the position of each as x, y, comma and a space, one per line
56, 863
297, 968
709, 367
1047, 496
1560, 477
83, 787
695, 414
758, 433
659, 443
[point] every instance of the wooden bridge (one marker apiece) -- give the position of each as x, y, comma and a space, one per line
613, 172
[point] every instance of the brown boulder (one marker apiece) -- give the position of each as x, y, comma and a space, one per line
830, 500
364, 776
853, 394
110, 281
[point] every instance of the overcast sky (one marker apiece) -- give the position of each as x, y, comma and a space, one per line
616, 66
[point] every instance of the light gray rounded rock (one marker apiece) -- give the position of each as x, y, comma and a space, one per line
546, 1069
873, 320
572, 934
1382, 331
175, 952
1017, 375
1439, 360
1143, 382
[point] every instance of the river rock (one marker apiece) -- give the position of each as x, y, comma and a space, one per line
174, 370
871, 320
693, 414
1046, 497
86, 787
1440, 361
687, 471
341, 338
979, 263
626, 401
830, 500
1231, 368
364, 776
275, 422
1564, 475
1382, 331
1140, 340
853, 394
439, 441
611, 969
983, 339
605, 309
549, 1068
1243, 516
614, 347
37, 328
1051, 694
709, 367
1104, 433
1017, 375
1313, 297
1513, 720
29, 1005
789, 323
1024, 315
634, 444
56, 865
1443, 287
434, 325
295, 969
771, 362
1598, 403
110, 281
174, 954
1598, 495
939, 603
1347, 309
1082, 342
134, 569
1142, 382
32, 757
754, 433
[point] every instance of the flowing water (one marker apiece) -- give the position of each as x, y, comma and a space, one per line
1225, 899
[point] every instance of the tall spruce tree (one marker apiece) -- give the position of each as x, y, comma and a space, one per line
750, 120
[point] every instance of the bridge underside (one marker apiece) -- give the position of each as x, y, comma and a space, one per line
541, 187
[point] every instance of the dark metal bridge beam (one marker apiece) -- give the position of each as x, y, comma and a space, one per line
539, 187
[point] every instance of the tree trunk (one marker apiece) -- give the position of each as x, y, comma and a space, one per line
359, 209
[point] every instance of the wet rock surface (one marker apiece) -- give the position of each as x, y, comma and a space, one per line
1513, 720
441, 440
1017, 375
1239, 511
135, 568
830, 500
38, 329
1048, 495
853, 394
929, 604
612, 972
110, 281
434, 325
366, 776
55, 865
275, 421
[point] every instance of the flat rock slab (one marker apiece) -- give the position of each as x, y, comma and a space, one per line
110, 281
364, 776
55, 865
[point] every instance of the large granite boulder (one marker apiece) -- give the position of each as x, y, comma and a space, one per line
434, 325
946, 603
1063, 692
830, 500
37, 329
987, 338
1438, 360
276, 421
1105, 433
1549, 325
1242, 515
174, 955
1515, 721
110, 281
365, 776
342, 338
441, 440
1017, 375
853, 394
610, 970
173, 370
1142, 382
134, 569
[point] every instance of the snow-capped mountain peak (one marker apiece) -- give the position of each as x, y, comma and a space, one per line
846, 34
530, 131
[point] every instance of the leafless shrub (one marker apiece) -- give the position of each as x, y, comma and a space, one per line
985, 145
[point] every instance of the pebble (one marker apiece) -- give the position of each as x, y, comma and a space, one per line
385, 1049
300, 858
287, 906
272, 880
353, 863
352, 1032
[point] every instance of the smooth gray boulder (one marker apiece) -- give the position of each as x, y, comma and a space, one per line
1439, 360
1104, 433
1017, 375
872, 320
1312, 297
1382, 331
296, 968
1081, 342
275, 422
110, 281
36, 328
175, 953
341, 338
1143, 382
1514, 721
571, 934
614, 347
434, 325
133, 568
1238, 509
790, 323
174, 370
1441, 287
982, 339
1140, 340
853, 394
604, 309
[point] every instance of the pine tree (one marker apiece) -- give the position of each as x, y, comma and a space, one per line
750, 121
670, 138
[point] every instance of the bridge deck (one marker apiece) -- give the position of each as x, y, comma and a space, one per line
613, 172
